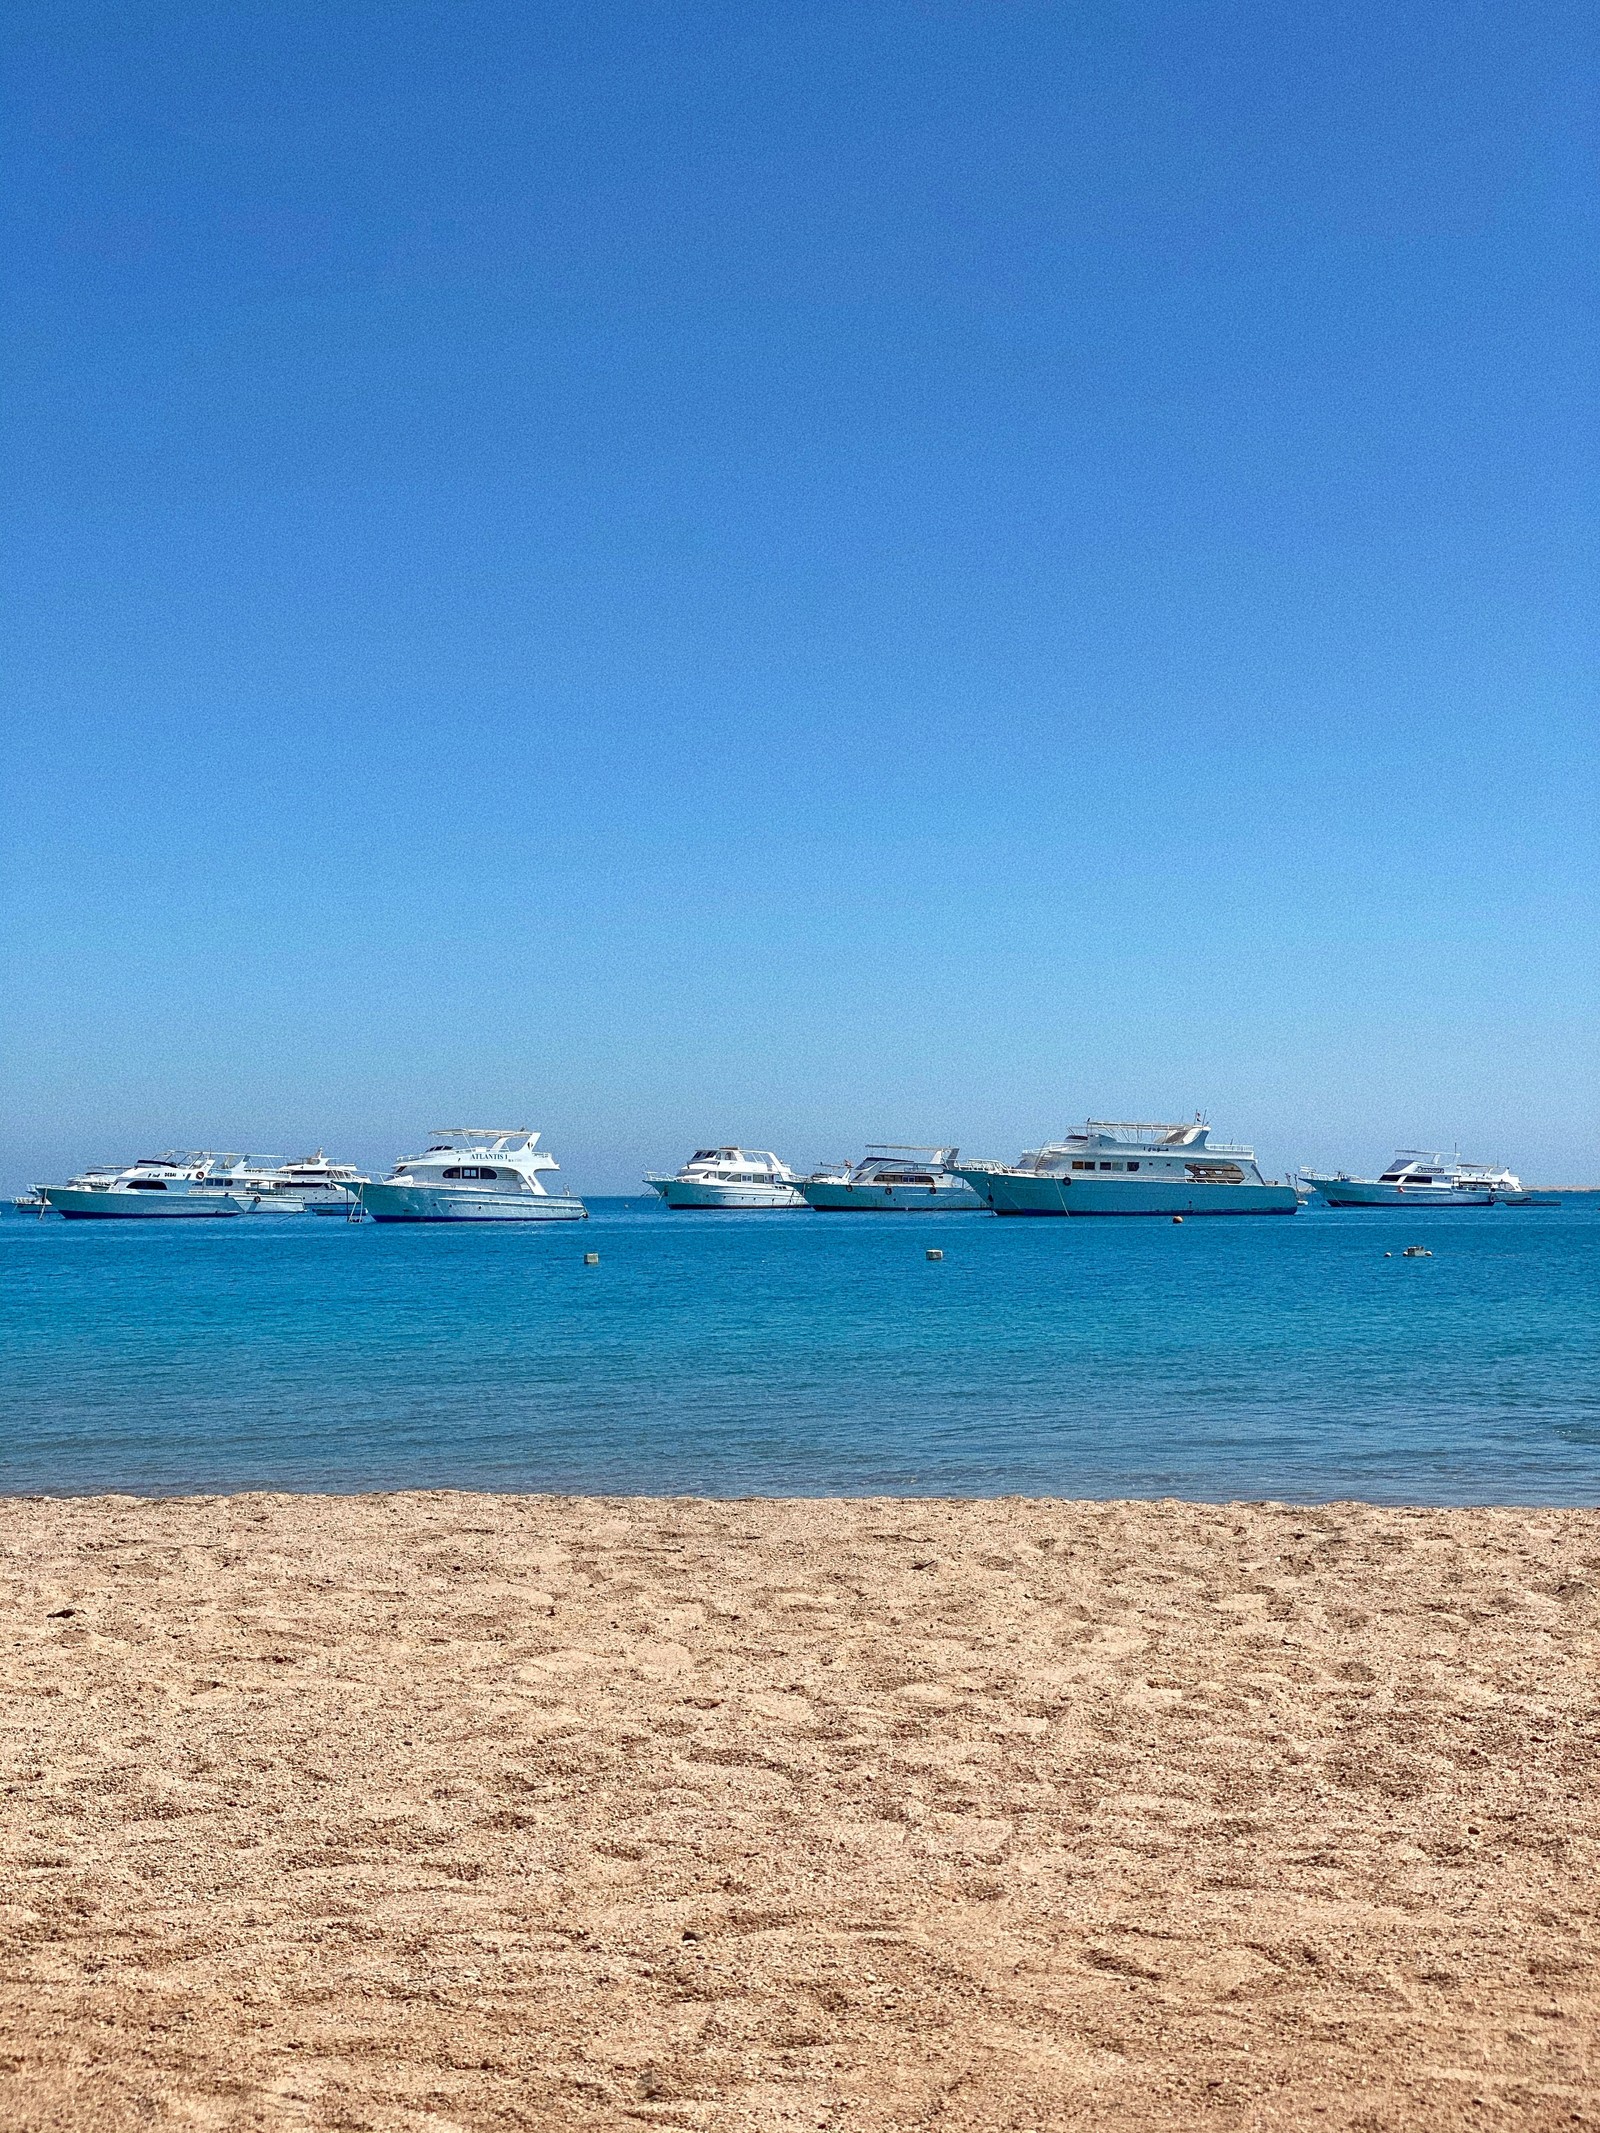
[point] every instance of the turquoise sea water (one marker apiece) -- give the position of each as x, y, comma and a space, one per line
797, 1353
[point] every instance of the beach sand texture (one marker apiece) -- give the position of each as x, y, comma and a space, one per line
439, 1811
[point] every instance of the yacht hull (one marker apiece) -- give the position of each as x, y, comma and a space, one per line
307, 1203
1359, 1192
837, 1197
1032, 1195
81, 1206
433, 1203
702, 1194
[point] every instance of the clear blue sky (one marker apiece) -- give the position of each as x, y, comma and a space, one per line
803, 574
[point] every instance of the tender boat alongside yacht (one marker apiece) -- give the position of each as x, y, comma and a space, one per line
1415, 1178
167, 1187
471, 1174
729, 1178
1116, 1167
892, 1179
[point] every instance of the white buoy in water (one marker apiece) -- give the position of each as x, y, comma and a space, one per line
1177, 1218
591, 1258
932, 1254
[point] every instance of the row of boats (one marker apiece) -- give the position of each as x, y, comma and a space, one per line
1113, 1167
496, 1174
467, 1173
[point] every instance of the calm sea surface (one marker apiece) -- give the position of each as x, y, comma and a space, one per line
812, 1354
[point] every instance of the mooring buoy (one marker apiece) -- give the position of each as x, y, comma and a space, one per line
932, 1254
591, 1258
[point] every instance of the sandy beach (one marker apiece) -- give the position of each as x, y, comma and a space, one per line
444, 1811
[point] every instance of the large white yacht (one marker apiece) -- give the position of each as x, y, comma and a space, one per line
307, 1184
171, 1187
1417, 1179
1117, 1167
730, 1177
892, 1179
317, 1186
471, 1174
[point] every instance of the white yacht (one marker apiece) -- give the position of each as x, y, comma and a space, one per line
730, 1177
1118, 1167
892, 1178
171, 1187
307, 1184
471, 1174
317, 1186
1417, 1179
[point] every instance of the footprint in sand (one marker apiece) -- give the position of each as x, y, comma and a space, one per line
782, 1709
664, 1658
572, 1661
972, 1836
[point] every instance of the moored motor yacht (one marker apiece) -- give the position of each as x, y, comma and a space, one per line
1117, 1167
892, 1178
318, 1186
169, 1187
471, 1174
308, 1184
729, 1178
1415, 1178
